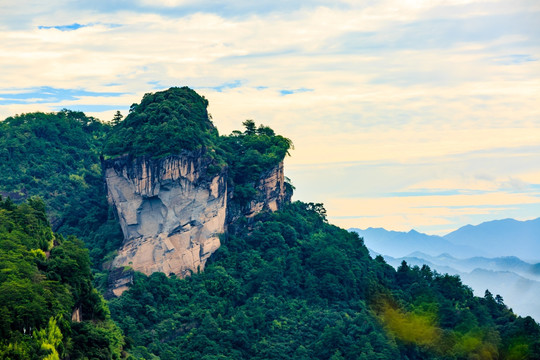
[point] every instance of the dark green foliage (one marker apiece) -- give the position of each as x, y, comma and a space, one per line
56, 156
294, 287
284, 285
43, 279
249, 155
252, 152
164, 123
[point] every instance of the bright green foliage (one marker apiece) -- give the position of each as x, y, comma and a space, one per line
56, 156
248, 155
292, 286
252, 152
49, 338
164, 123
43, 278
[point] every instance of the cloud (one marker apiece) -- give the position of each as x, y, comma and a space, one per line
415, 100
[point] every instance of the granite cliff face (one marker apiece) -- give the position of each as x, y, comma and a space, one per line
172, 210
270, 195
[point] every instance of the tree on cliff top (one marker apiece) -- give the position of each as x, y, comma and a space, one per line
164, 123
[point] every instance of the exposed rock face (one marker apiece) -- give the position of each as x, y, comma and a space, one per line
120, 279
170, 210
270, 194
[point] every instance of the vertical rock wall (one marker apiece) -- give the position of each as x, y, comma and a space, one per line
170, 210
270, 192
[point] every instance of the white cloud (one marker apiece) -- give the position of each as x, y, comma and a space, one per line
394, 83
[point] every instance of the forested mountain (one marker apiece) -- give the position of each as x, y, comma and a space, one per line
48, 306
293, 286
56, 156
517, 281
510, 278
283, 284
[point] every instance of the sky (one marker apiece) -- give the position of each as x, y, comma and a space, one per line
404, 114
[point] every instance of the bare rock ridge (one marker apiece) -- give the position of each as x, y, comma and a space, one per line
172, 210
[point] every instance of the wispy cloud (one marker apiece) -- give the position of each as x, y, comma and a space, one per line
71, 27
429, 102
76, 26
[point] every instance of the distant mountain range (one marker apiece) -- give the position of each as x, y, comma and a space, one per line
499, 238
502, 256
502, 238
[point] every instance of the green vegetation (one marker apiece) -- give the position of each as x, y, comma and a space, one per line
44, 278
294, 287
56, 156
176, 120
284, 285
248, 155
164, 123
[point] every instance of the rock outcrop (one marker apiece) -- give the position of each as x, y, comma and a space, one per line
171, 211
270, 195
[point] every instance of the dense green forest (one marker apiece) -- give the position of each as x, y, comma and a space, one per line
57, 156
164, 123
293, 286
45, 279
283, 285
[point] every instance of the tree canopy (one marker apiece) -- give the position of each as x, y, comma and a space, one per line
166, 122
44, 278
292, 286
283, 285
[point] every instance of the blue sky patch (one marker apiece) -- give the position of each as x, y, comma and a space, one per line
47, 94
294, 91
429, 192
225, 86
71, 27
94, 108
514, 59
76, 26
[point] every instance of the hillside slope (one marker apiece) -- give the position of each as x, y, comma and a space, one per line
285, 284
49, 308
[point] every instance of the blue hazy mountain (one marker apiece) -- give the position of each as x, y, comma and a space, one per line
502, 256
499, 238
399, 244
505, 263
520, 291
502, 238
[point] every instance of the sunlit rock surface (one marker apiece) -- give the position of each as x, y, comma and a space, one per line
171, 211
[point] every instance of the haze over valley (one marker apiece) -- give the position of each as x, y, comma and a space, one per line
502, 256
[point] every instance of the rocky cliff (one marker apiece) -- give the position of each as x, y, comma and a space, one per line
270, 194
172, 210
